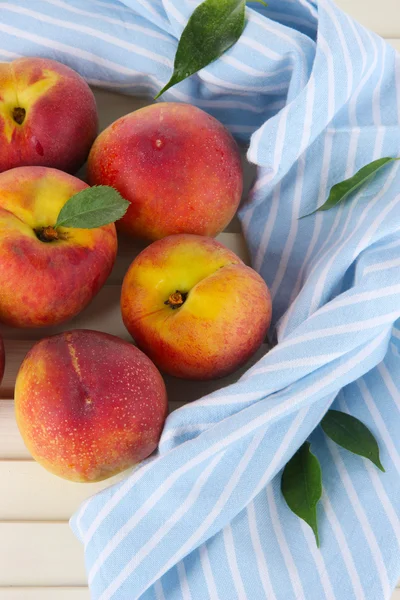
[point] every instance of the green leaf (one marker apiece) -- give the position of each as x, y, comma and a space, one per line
302, 486
93, 207
213, 28
342, 190
351, 434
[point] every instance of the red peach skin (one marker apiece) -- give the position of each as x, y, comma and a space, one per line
179, 168
48, 115
89, 405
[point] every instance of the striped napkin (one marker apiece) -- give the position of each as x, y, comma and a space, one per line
317, 97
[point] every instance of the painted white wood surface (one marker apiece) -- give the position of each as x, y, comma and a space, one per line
39, 557
44, 593
382, 17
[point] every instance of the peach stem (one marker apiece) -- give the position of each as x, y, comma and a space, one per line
176, 300
47, 234
19, 115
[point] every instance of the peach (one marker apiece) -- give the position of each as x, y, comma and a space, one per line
47, 282
2, 359
179, 168
194, 307
48, 115
89, 405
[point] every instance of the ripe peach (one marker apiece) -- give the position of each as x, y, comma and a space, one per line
47, 282
89, 405
48, 115
194, 307
179, 168
2, 359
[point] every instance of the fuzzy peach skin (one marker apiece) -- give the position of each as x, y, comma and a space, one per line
45, 283
48, 115
194, 307
179, 168
2, 359
89, 405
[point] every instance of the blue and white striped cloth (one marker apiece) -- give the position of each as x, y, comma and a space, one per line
318, 97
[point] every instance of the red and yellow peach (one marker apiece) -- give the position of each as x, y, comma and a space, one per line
194, 307
48, 115
89, 405
47, 281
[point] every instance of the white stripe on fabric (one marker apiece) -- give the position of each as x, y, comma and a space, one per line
343, 547
105, 37
378, 486
186, 595
319, 561
305, 394
76, 52
362, 518
147, 548
114, 501
283, 546
232, 562
123, 23
377, 417
159, 590
319, 286
208, 574
259, 553
298, 190
197, 535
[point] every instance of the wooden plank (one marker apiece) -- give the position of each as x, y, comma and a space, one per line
47, 593
381, 17
180, 392
40, 555
395, 43
33, 494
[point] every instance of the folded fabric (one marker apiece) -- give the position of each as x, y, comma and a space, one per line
317, 96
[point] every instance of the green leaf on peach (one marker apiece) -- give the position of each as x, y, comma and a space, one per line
92, 207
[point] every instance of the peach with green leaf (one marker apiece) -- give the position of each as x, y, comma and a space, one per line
57, 244
179, 168
48, 115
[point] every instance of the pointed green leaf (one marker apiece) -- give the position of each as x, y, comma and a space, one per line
302, 486
351, 434
213, 28
342, 190
93, 207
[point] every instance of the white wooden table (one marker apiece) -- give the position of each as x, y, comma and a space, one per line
40, 558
